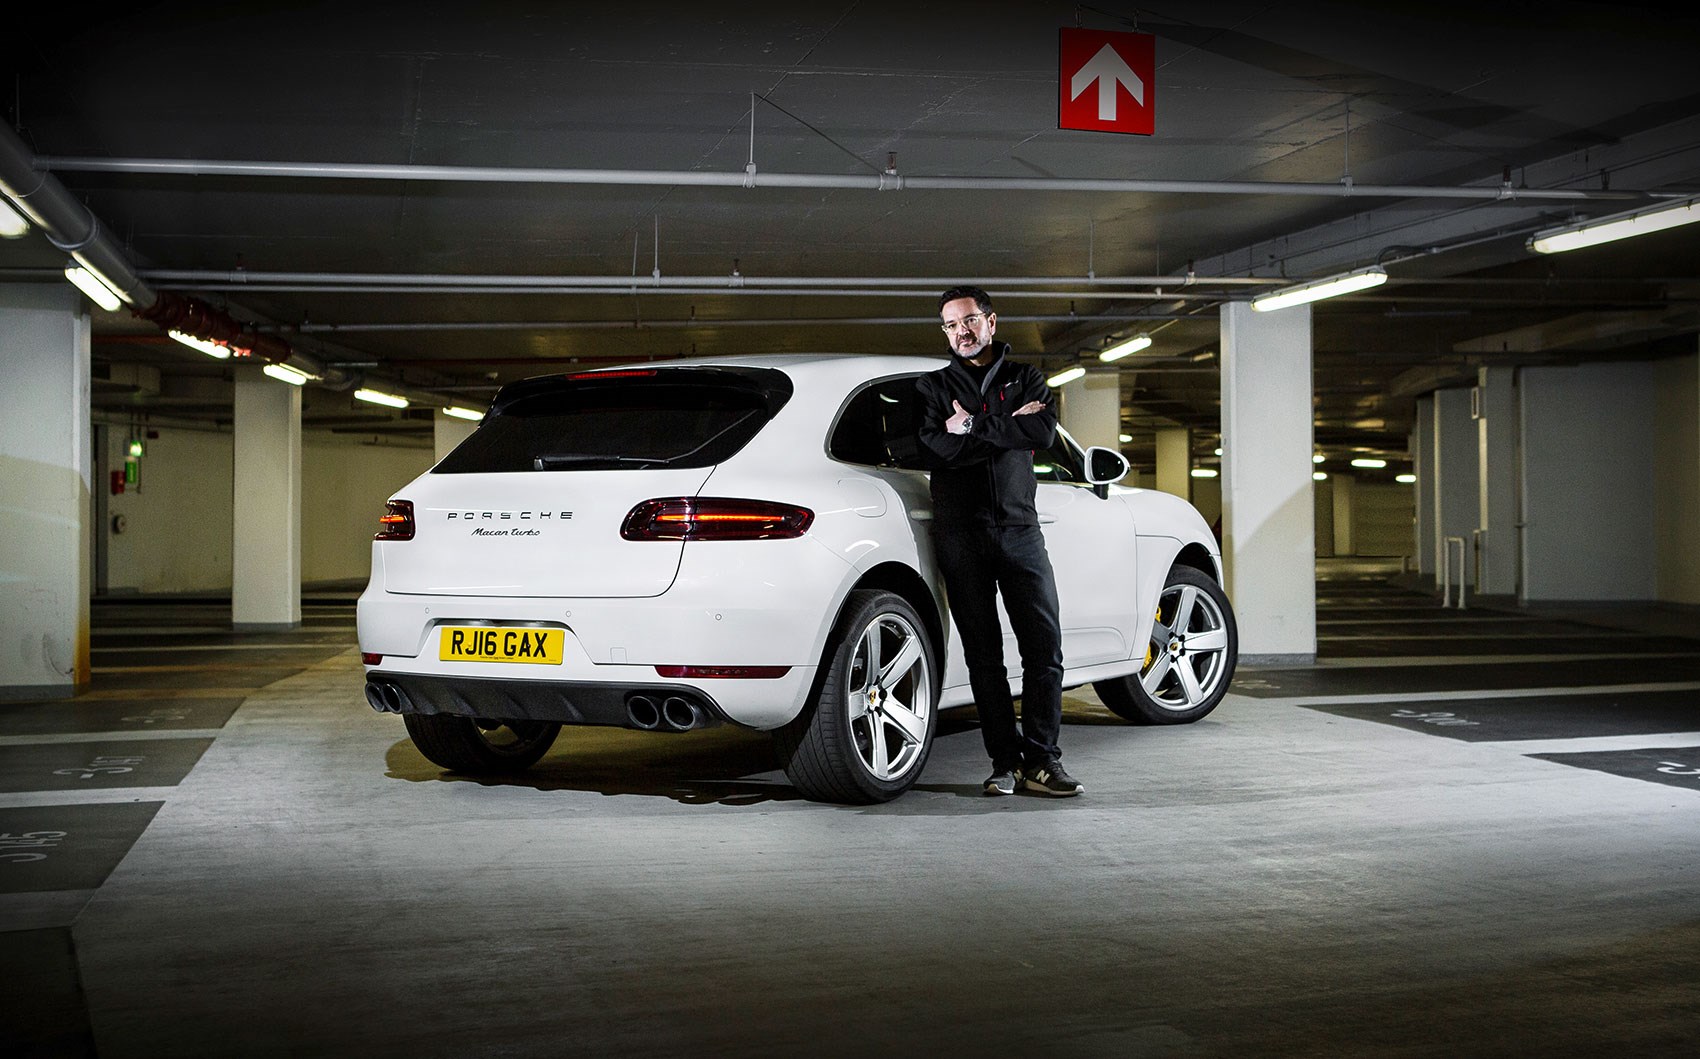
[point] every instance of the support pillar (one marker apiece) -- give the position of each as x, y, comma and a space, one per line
1174, 461
266, 559
1092, 409
1422, 465
45, 463
448, 431
1456, 494
1344, 511
1497, 475
1268, 514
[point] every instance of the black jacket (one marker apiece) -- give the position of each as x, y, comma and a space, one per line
985, 477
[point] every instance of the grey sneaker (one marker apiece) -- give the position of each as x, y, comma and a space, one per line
1049, 778
1001, 781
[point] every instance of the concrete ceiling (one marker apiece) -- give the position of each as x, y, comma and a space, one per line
1557, 96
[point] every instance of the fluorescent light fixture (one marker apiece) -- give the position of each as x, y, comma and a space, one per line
1364, 461
1616, 226
1319, 476
1122, 349
1405, 479
1316, 290
1066, 376
12, 223
1318, 458
207, 346
91, 284
1124, 438
473, 414
285, 373
1203, 472
380, 397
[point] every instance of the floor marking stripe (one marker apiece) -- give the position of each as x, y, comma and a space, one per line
106, 795
1462, 696
1464, 634
1597, 743
115, 735
1421, 661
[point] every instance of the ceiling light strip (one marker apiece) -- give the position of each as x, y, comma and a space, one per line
1615, 227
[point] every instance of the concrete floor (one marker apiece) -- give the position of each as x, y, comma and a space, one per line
1468, 833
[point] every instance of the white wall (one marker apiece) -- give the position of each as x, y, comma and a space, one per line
1588, 482
1384, 518
178, 520
1676, 478
344, 486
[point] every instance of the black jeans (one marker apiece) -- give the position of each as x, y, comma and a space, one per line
976, 563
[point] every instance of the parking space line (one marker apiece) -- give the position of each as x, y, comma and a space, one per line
1584, 744
103, 796
1477, 693
1421, 661
126, 734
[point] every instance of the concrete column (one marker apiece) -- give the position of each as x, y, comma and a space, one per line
1496, 477
266, 551
448, 431
1344, 510
1422, 464
1456, 493
1174, 461
45, 463
1268, 515
1589, 481
1092, 410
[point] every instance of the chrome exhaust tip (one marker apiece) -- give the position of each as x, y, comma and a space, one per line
643, 713
680, 713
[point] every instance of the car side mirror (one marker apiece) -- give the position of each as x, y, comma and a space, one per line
1104, 466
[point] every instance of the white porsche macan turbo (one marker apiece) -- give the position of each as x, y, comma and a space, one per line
744, 541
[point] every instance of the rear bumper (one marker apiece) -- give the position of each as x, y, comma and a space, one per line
559, 702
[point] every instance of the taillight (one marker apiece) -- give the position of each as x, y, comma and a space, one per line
722, 672
396, 522
707, 518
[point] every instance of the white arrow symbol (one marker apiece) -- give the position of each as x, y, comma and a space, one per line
1108, 69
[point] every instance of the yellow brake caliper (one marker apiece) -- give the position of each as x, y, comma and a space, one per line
1151, 654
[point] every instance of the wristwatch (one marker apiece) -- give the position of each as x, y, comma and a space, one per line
968, 424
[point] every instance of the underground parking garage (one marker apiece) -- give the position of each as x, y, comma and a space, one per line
1446, 805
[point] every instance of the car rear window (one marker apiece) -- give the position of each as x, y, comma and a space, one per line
622, 419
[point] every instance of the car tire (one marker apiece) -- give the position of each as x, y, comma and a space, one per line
868, 728
1189, 660
479, 747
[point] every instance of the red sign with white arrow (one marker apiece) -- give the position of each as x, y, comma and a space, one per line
1106, 81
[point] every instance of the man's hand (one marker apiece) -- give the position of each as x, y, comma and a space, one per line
1029, 408
958, 423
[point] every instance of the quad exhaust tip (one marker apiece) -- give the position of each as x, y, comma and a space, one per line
386, 698
675, 713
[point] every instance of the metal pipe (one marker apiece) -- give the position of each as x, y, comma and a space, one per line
750, 178
645, 288
67, 223
658, 325
933, 284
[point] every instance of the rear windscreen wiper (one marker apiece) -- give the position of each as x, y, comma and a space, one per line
555, 459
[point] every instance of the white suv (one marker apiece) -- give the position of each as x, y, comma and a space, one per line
672, 546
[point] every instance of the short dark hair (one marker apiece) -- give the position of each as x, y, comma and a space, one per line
982, 300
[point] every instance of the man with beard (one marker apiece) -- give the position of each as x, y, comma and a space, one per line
982, 417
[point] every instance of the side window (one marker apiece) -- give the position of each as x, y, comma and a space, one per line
1059, 463
878, 425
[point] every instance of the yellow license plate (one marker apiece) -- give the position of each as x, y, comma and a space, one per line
499, 643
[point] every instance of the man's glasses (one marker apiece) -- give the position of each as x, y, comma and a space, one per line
967, 323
